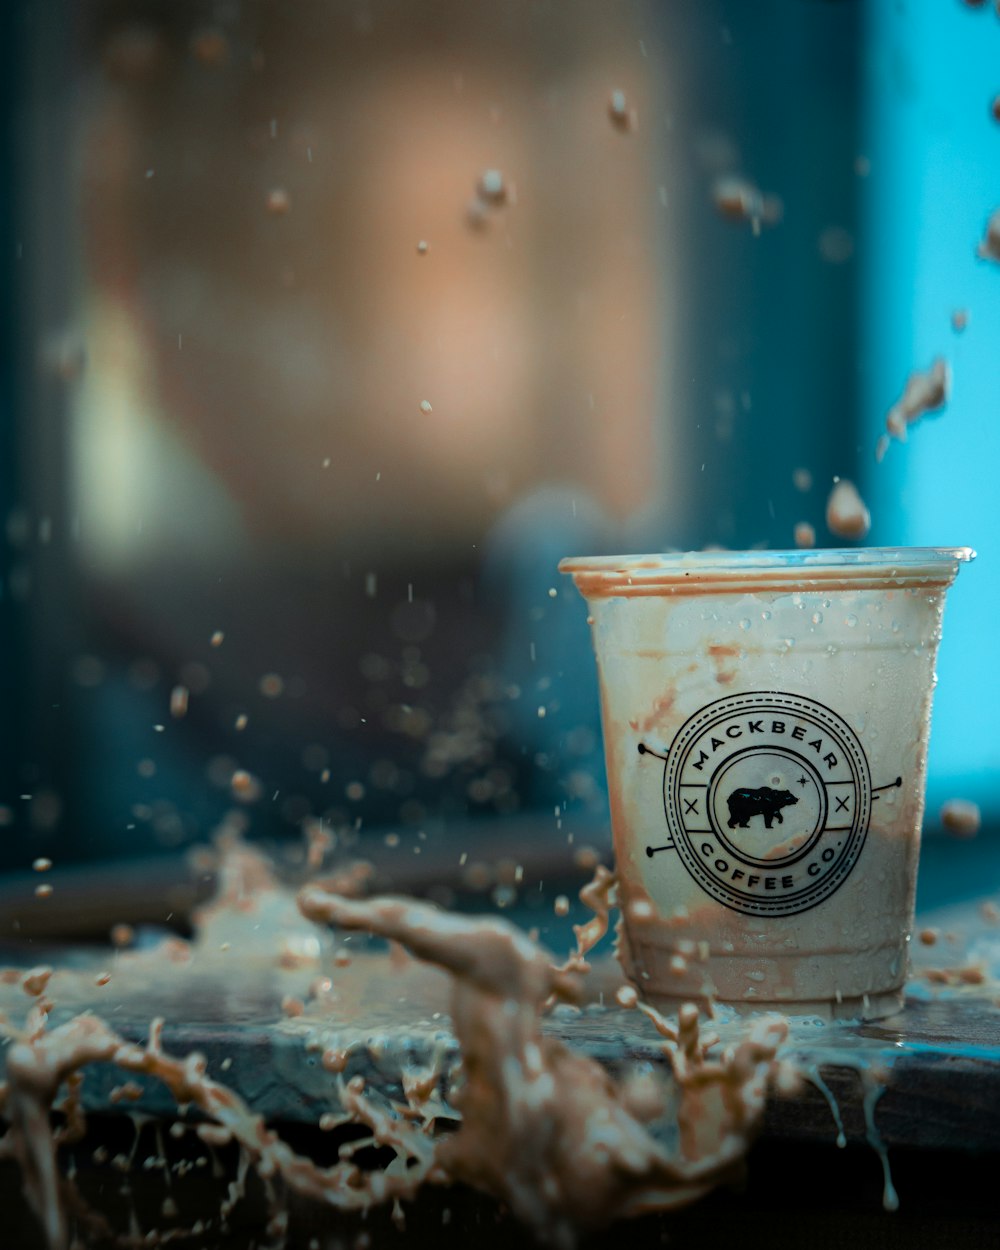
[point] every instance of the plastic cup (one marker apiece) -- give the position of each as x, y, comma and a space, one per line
766, 718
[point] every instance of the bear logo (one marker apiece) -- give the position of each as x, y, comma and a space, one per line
744, 804
714, 772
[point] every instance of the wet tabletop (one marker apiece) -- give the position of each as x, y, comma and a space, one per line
262, 995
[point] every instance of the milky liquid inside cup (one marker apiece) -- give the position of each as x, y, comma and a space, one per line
766, 718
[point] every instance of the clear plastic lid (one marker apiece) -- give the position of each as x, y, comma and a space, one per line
694, 572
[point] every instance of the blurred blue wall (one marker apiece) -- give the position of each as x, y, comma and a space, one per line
931, 72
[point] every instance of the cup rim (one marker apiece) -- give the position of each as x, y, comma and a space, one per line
851, 567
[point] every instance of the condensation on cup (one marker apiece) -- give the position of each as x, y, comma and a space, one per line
766, 718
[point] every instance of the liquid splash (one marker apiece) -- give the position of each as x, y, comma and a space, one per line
39, 1063
989, 248
925, 391
739, 199
541, 1127
547, 1130
847, 515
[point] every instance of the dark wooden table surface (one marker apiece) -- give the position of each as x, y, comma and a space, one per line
931, 1075
937, 1061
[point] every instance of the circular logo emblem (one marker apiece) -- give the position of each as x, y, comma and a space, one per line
768, 800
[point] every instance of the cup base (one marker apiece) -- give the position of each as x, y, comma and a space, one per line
866, 1007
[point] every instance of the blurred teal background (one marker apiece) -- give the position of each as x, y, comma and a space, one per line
211, 410
930, 77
